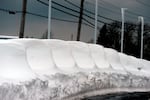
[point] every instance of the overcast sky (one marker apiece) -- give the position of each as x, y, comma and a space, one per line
36, 26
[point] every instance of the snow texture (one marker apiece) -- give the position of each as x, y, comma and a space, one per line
34, 69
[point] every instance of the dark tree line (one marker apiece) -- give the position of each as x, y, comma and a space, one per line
109, 36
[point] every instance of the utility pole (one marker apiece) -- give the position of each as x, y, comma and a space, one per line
122, 29
23, 17
140, 36
96, 14
49, 19
80, 20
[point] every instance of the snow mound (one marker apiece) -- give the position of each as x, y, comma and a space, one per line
58, 69
13, 63
48, 57
81, 54
98, 56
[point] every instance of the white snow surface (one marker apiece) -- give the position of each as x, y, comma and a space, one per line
36, 69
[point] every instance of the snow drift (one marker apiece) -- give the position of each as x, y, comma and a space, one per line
34, 69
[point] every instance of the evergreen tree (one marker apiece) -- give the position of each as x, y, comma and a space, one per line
110, 36
102, 36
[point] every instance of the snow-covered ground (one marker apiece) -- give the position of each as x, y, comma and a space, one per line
35, 69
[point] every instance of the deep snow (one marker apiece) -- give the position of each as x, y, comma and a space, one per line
34, 69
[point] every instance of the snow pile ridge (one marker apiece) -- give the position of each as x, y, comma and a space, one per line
13, 63
23, 58
57, 70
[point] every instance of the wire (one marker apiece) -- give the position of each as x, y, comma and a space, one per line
34, 14
112, 11
132, 13
76, 12
116, 7
42, 2
73, 14
65, 7
145, 4
79, 12
72, 3
39, 15
30, 13
64, 20
5, 10
71, 21
89, 11
65, 11
132, 16
8, 11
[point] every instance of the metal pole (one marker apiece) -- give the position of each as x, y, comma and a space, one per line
142, 31
122, 29
96, 14
49, 20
